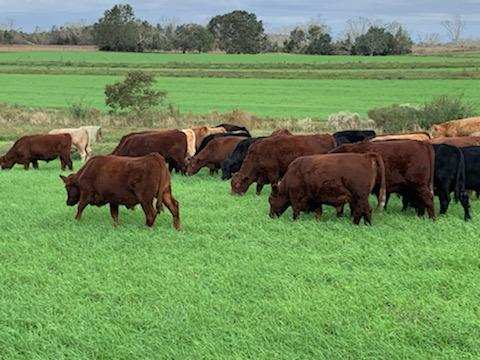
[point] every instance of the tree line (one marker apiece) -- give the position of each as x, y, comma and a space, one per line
234, 33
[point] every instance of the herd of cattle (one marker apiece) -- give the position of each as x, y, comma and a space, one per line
305, 171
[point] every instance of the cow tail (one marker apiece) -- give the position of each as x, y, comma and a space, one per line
382, 194
460, 180
432, 166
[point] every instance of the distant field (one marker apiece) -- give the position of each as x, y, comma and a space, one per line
274, 85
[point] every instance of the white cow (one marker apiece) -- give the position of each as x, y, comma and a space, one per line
80, 140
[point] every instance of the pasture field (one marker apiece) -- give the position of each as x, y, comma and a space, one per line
232, 283
268, 85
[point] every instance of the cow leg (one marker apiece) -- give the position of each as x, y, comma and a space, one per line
318, 212
260, 185
444, 197
387, 198
26, 166
66, 161
35, 164
114, 213
425, 198
340, 209
82, 204
150, 212
465, 201
173, 207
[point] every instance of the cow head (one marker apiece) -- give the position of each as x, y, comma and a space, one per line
240, 184
73, 190
6, 162
193, 165
278, 202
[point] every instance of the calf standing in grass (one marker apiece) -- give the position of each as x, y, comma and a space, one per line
117, 180
32, 148
335, 180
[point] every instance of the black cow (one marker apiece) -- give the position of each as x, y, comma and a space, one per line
353, 136
450, 176
234, 162
233, 128
214, 136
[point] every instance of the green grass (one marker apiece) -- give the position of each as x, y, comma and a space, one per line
271, 85
265, 97
233, 283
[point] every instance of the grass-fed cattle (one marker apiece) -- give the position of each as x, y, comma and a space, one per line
234, 162
409, 168
458, 141
234, 128
334, 179
419, 136
267, 160
117, 180
171, 144
353, 136
449, 178
32, 148
211, 137
80, 140
213, 154
463, 127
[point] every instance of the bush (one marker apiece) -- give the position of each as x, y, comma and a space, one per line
135, 93
445, 108
398, 118
79, 110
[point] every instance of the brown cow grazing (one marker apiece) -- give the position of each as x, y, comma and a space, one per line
419, 136
171, 144
409, 168
463, 127
267, 160
31, 148
334, 179
117, 180
212, 156
458, 141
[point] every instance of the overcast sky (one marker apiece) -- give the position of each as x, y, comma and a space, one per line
419, 16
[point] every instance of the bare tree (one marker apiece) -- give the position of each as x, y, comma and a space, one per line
356, 27
428, 39
454, 28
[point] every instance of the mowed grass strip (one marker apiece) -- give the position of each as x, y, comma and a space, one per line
269, 58
233, 283
378, 74
264, 97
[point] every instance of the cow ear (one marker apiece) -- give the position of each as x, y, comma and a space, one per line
64, 178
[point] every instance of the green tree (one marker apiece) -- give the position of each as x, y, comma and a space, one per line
402, 42
296, 41
377, 41
118, 30
319, 41
134, 93
193, 37
238, 32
